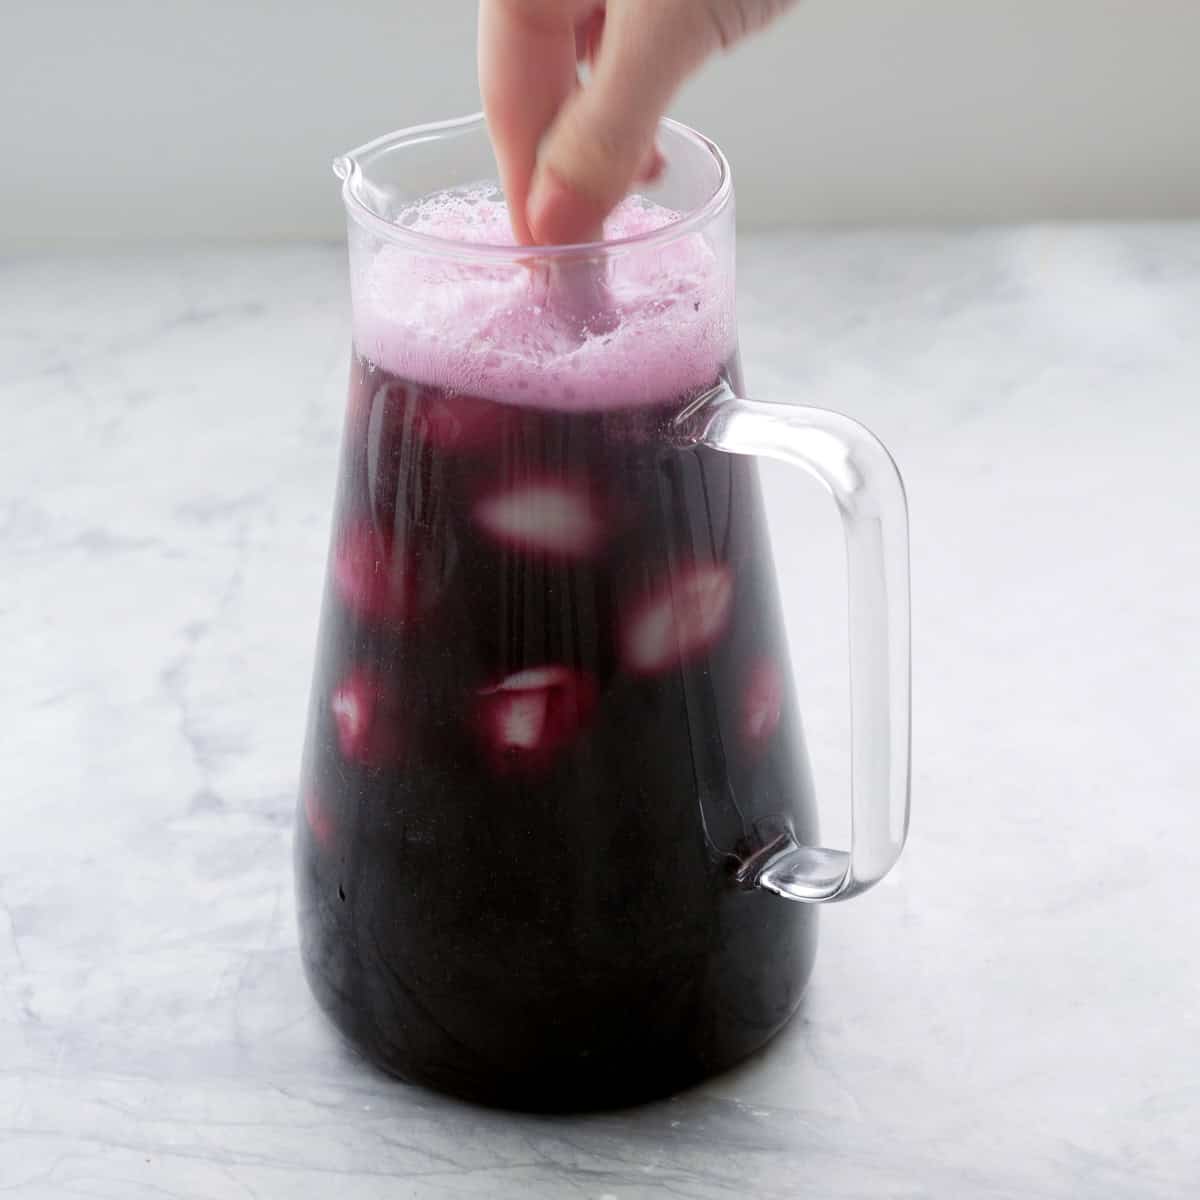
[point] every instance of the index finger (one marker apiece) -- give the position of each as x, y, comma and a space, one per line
526, 70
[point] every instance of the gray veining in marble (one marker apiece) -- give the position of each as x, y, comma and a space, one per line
1016, 1012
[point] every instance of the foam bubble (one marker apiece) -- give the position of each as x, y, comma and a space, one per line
657, 325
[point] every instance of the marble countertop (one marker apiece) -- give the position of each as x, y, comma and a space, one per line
1015, 1012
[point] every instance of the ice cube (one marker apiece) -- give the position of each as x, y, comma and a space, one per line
679, 621
529, 716
320, 823
366, 712
547, 515
374, 583
761, 703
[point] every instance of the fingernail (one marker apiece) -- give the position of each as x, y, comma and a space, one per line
559, 214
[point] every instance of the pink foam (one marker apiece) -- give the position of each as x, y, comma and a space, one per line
513, 332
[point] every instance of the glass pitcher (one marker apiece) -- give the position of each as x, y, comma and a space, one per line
557, 845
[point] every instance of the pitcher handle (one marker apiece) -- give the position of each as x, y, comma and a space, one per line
866, 485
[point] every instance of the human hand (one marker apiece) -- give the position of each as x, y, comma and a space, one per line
568, 151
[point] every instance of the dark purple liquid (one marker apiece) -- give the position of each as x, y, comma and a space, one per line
551, 720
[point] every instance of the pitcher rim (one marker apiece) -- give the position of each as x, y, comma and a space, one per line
348, 168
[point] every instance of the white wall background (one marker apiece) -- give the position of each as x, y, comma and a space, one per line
123, 118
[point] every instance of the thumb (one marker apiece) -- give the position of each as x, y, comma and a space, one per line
603, 135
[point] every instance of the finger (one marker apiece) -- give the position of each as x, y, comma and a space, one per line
605, 130
526, 70
736, 19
